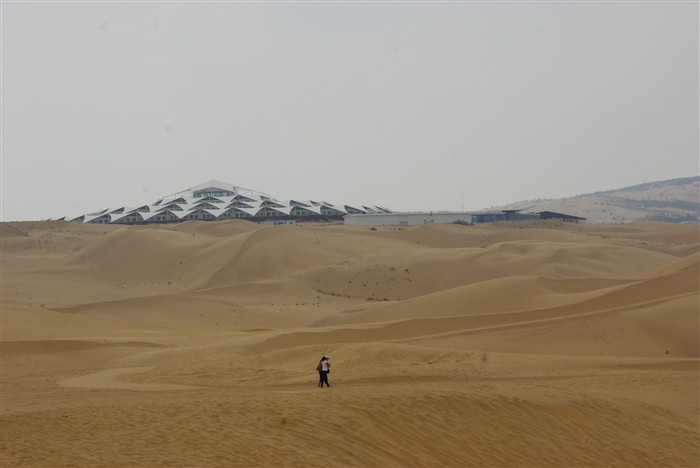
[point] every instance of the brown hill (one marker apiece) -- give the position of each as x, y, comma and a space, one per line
673, 201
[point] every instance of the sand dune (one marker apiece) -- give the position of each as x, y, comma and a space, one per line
513, 344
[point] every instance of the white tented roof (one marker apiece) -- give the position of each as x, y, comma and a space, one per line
92, 217
209, 197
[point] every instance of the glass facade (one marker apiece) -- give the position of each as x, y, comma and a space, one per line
213, 192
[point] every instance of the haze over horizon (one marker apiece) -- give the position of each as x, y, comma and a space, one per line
412, 106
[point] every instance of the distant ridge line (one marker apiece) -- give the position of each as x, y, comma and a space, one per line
647, 185
671, 200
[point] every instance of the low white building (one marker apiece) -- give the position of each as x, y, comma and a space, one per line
406, 219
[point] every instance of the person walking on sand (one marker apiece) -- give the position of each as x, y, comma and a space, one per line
323, 368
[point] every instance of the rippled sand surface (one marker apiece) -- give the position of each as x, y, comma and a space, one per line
537, 344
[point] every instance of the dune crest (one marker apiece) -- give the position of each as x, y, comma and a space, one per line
513, 344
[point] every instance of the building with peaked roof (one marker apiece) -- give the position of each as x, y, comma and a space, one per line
215, 200
561, 216
503, 215
517, 215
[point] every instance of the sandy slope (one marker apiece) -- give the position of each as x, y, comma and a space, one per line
532, 344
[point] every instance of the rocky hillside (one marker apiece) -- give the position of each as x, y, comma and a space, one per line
675, 200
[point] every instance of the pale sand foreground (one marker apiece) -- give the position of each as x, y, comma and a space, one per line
502, 345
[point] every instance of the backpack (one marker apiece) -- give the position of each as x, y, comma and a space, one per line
319, 367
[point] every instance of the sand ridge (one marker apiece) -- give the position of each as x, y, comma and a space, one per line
513, 344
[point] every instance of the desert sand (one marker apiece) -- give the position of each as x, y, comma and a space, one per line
538, 344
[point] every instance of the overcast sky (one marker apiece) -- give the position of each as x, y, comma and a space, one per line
413, 106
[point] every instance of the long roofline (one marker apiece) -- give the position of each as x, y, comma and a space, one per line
216, 200
212, 183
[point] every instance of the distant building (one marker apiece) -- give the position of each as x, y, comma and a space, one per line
215, 200
406, 219
505, 215
560, 216
414, 219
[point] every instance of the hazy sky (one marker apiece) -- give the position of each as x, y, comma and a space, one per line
414, 106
